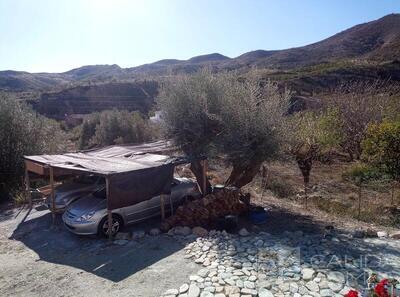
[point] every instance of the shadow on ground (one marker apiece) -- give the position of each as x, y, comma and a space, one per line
55, 244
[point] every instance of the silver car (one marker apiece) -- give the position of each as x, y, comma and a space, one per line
88, 215
69, 192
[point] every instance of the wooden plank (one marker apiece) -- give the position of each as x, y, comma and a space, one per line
109, 212
162, 206
28, 187
52, 195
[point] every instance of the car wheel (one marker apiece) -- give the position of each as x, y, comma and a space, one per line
117, 224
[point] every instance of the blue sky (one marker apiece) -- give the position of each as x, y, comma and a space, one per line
58, 35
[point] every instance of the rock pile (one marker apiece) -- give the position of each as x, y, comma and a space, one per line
205, 211
264, 265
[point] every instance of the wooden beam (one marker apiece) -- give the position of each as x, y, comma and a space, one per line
162, 207
109, 212
36, 168
28, 187
52, 196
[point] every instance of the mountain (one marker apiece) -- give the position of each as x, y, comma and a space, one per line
364, 52
377, 40
373, 42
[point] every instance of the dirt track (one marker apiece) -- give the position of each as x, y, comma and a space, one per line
40, 260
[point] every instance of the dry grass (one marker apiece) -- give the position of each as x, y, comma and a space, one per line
331, 197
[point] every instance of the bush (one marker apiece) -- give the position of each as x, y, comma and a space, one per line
23, 132
361, 173
381, 147
113, 127
280, 188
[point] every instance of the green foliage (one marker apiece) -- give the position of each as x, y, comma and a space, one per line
381, 147
361, 173
329, 126
240, 119
309, 130
113, 127
23, 132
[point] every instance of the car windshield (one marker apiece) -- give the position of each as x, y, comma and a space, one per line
100, 194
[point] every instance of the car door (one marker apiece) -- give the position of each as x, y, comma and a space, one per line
137, 212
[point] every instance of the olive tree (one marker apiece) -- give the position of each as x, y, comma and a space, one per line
218, 113
23, 132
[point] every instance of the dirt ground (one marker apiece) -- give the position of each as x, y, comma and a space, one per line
38, 259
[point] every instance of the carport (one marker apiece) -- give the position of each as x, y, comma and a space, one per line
133, 173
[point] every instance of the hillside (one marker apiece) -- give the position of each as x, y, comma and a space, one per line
86, 99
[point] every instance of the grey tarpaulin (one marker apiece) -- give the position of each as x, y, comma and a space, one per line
133, 172
136, 186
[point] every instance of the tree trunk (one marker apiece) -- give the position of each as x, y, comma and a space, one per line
306, 193
197, 170
241, 175
392, 196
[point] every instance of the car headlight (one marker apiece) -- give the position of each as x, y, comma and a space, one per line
86, 217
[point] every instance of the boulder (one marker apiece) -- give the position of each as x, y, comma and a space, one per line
263, 292
121, 241
194, 291
155, 232
395, 235
138, 234
382, 234
184, 288
183, 231
171, 292
244, 232
123, 236
199, 231
307, 274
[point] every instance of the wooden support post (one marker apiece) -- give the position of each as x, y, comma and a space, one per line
171, 204
204, 185
28, 187
162, 206
52, 195
109, 212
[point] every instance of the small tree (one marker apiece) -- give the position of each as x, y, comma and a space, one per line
358, 104
308, 136
381, 147
360, 174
